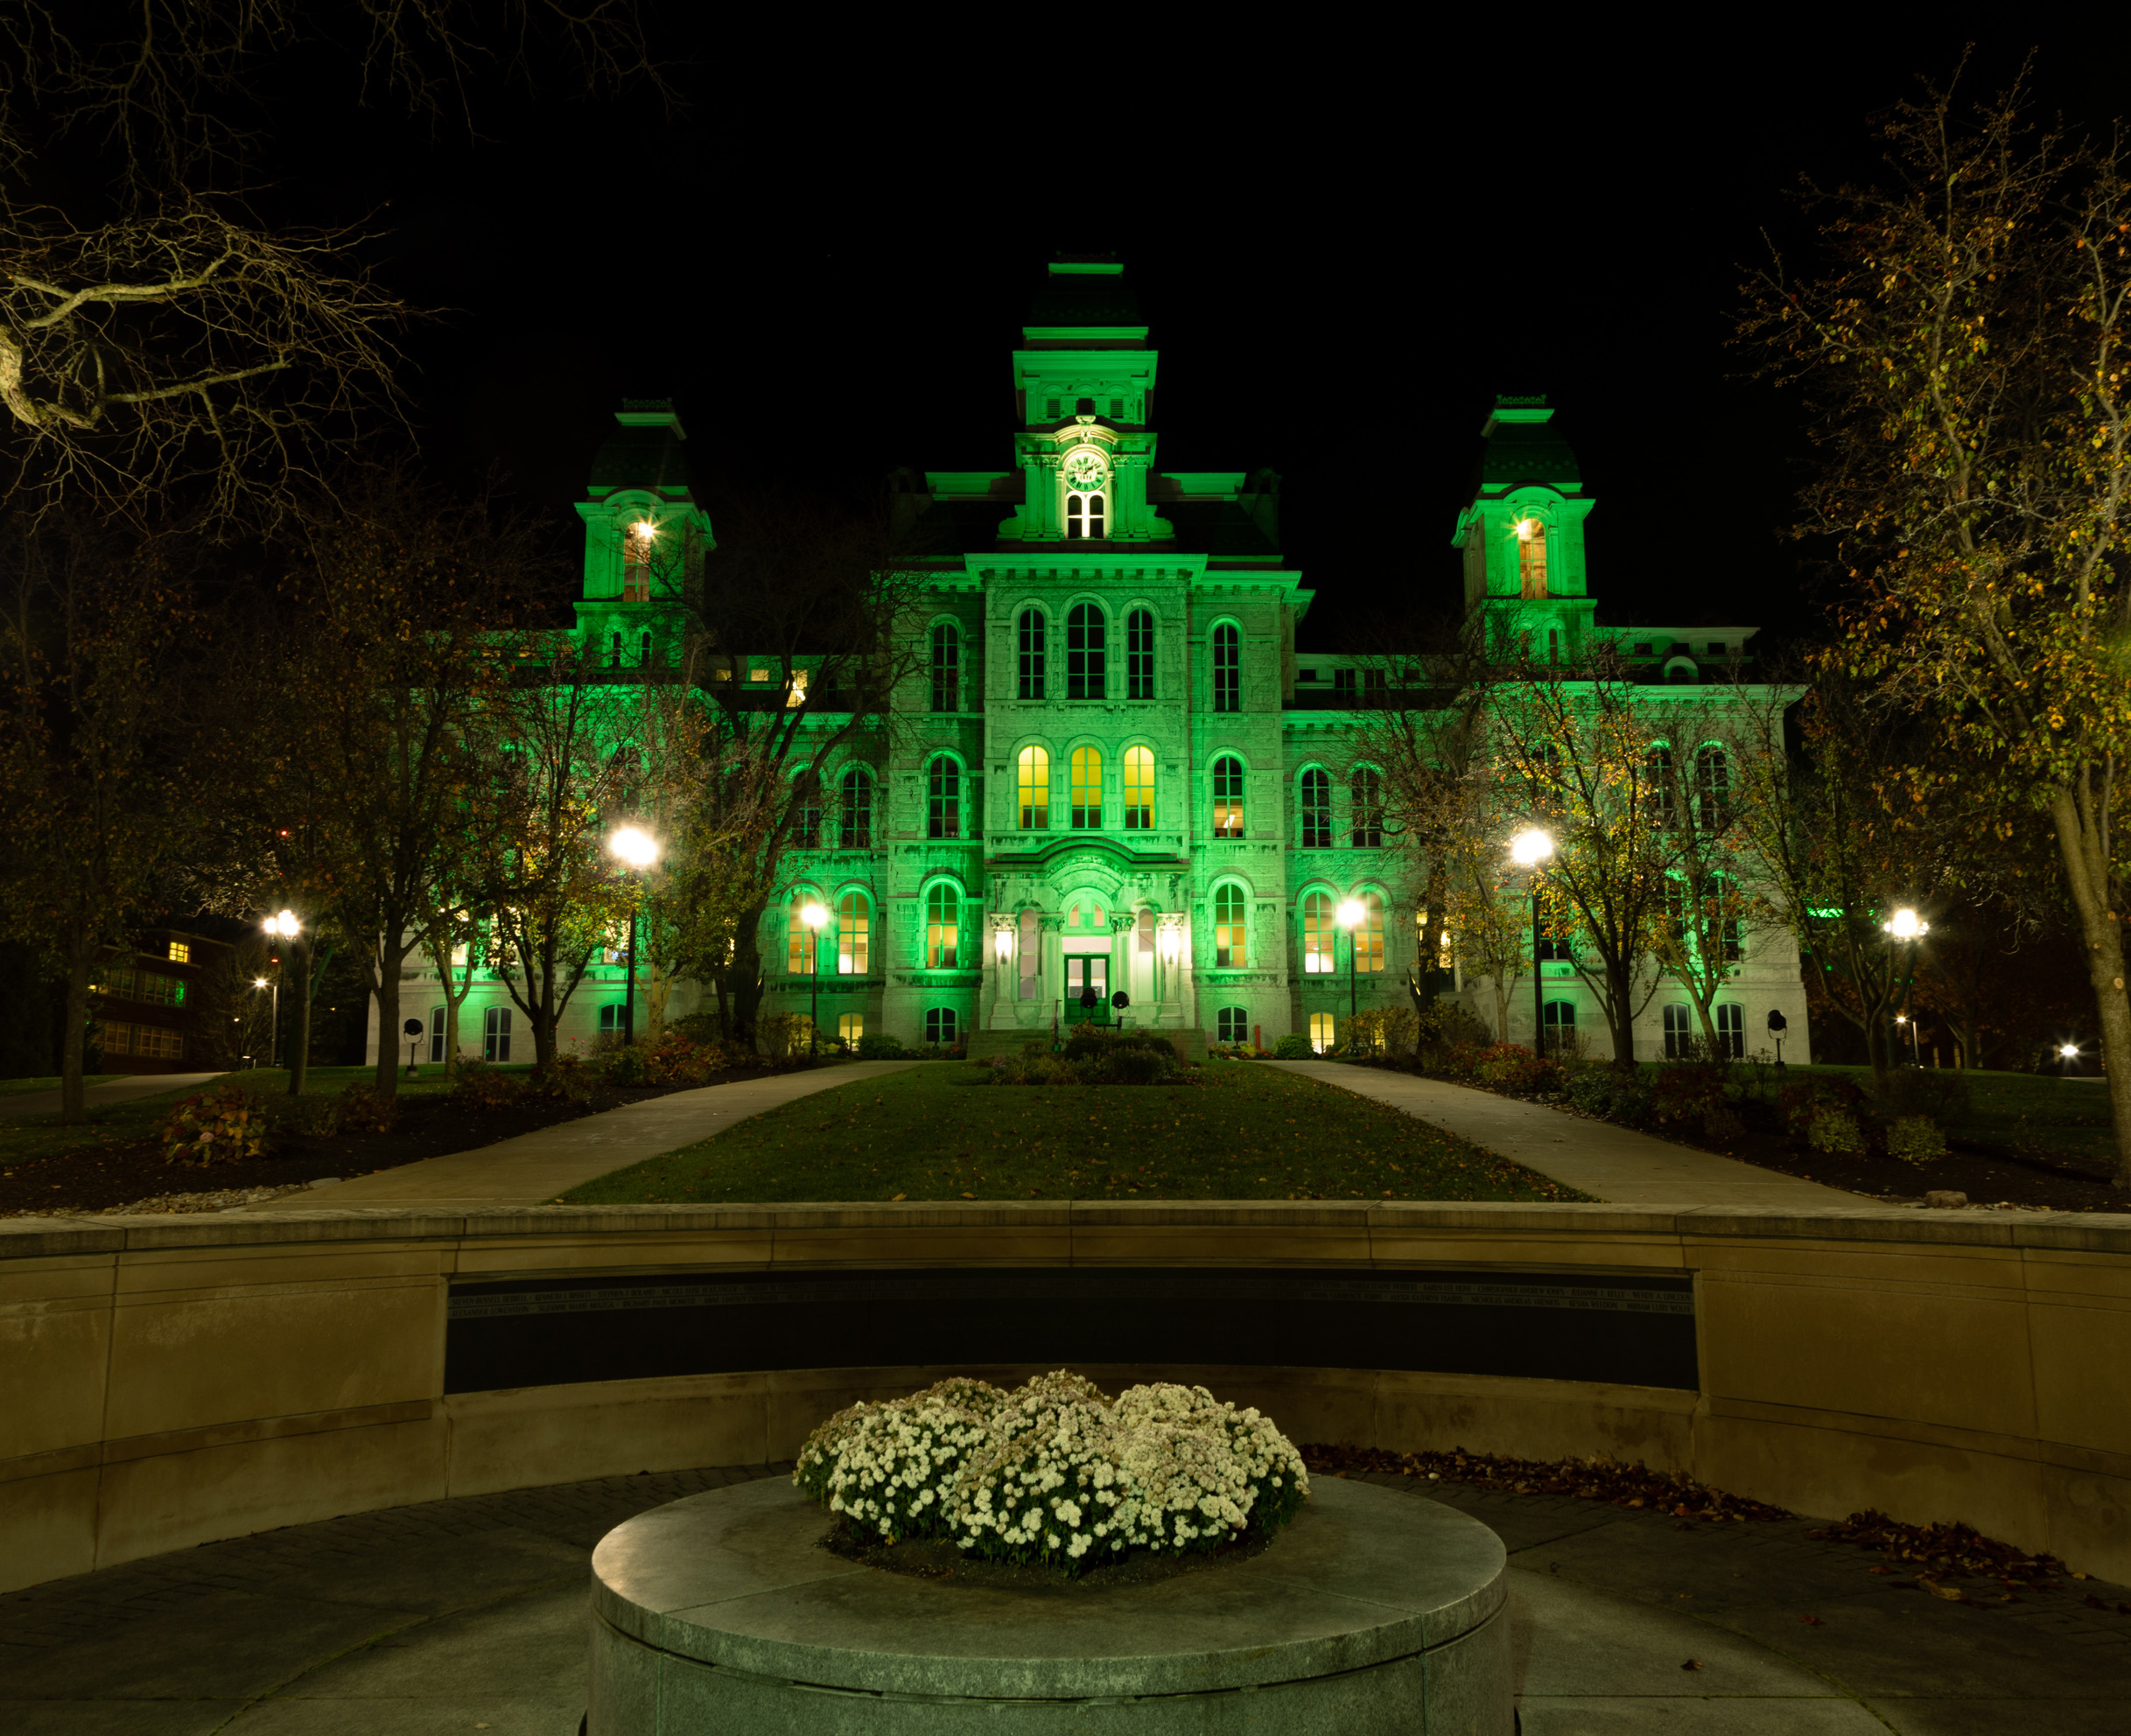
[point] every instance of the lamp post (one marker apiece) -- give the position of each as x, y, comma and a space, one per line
282, 925
1905, 925
1528, 849
1350, 914
816, 917
273, 1018
636, 850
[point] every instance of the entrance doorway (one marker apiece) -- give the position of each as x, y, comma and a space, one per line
1084, 971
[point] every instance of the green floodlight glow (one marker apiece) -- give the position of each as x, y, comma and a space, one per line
1827, 913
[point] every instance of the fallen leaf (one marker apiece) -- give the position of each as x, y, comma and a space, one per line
1951, 1594
899, 1196
1809, 1621
1691, 1663
1879, 1570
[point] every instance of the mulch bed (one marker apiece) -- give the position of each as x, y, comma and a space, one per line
116, 1173
1606, 1480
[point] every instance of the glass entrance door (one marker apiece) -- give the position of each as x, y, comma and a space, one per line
1084, 971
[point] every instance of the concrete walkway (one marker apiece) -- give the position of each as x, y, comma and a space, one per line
535, 1167
1614, 1164
472, 1614
103, 1097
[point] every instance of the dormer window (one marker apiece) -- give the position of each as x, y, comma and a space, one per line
1086, 478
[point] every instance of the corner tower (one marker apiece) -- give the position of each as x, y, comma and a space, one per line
1522, 534
644, 534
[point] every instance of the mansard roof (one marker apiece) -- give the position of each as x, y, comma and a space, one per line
645, 450
1524, 447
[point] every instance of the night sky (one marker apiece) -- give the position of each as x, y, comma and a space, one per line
1344, 253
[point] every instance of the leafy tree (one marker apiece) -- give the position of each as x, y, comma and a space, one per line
1960, 344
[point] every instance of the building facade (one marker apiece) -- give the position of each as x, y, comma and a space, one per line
1118, 777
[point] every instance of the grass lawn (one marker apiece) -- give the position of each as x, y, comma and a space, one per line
41, 1135
2030, 1112
16, 1087
940, 1131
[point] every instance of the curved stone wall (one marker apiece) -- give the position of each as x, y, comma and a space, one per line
169, 1382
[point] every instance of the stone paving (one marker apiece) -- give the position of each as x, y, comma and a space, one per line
470, 1615
1614, 1164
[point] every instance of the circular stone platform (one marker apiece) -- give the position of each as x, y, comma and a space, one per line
1374, 1611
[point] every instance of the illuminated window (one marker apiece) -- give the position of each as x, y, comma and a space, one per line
853, 930
1319, 946
1231, 918
799, 940
806, 812
1138, 788
1086, 474
1731, 1030
1034, 770
1368, 809
635, 566
1087, 789
181, 952
1531, 556
1232, 1025
1316, 810
1712, 789
943, 799
946, 668
1032, 653
1679, 1031
850, 1027
1369, 937
1140, 654
940, 1026
1228, 668
855, 823
1444, 955
1084, 653
1227, 797
1321, 1032
943, 913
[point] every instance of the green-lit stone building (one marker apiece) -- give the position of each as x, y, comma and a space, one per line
1123, 770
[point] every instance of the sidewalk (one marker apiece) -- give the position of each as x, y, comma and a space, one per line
535, 1167
1614, 1164
103, 1097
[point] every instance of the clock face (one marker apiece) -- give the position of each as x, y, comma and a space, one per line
1086, 473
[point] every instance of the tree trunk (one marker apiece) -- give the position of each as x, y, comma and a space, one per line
744, 977
657, 986
300, 1040
392, 954
1620, 1014
73, 1107
2087, 879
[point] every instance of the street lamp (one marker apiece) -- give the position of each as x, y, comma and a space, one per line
1528, 849
636, 850
816, 917
1906, 926
1350, 914
282, 926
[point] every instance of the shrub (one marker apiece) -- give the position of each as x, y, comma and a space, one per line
1294, 1047
1609, 1093
879, 1048
1828, 1104
1832, 1130
705, 1028
1093, 1056
364, 1110
481, 1086
1056, 1472
306, 1117
1515, 1071
1915, 1139
1450, 1024
1687, 1090
224, 1126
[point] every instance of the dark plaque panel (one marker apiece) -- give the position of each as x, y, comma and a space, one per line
1635, 1330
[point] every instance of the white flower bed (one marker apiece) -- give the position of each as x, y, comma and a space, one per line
1057, 1471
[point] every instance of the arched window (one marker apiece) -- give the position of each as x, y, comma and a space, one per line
1369, 937
855, 823
643, 648
1658, 773
1227, 797
854, 922
1034, 770
1319, 949
1368, 808
1084, 651
438, 1019
1232, 1025
799, 940
1086, 474
1138, 790
636, 564
1140, 654
943, 799
1322, 1039
1712, 789
1087, 789
1531, 556
1232, 925
806, 810
1731, 1030
946, 668
1031, 632
941, 1025
1227, 668
1316, 810
1679, 1031
942, 922
496, 1035
1557, 1034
